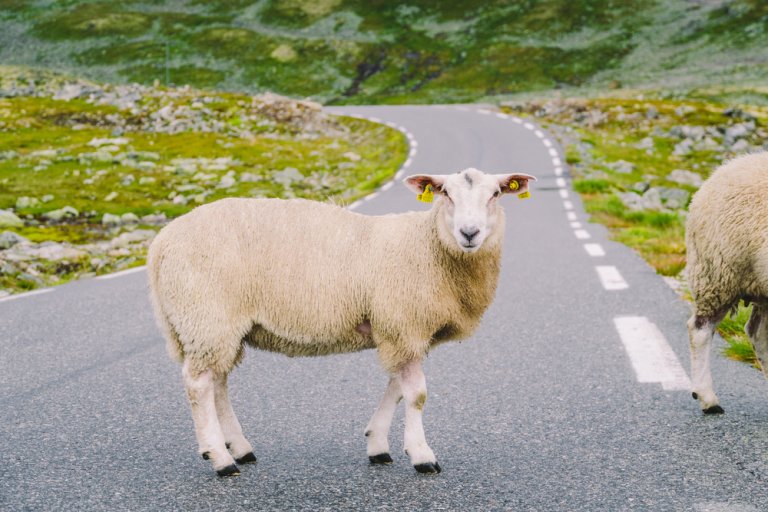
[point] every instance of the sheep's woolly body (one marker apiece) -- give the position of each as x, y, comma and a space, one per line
727, 236
305, 278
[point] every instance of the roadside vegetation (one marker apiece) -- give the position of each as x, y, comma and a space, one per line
636, 161
89, 172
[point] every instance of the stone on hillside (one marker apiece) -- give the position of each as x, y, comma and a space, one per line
739, 146
646, 143
351, 155
201, 176
674, 198
180, 199
146, 180
54, 251
70, 92
641, 186
111, 196
227, 181
68, 212
287, 176
117, 141
26, 202
132, 237
683, 147
146, 166
111, 220
249, 177
8, 239
156, 218
685, 177
129, 218
9, 220
128, 180
621, 166
738, 131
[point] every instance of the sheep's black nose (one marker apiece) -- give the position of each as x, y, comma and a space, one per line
469, 233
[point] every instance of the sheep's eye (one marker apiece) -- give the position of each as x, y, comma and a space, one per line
496, 194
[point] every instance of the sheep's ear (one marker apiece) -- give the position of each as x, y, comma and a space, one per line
418, 182
514, 183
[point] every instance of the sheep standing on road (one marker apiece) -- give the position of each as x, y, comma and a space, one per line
305, 279
727, 244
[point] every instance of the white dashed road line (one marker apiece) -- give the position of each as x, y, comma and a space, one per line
594, 250
610, 277
652, 358
582, 234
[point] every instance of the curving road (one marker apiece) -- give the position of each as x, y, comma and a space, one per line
571, 396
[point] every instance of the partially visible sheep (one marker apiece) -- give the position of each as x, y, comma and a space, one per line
306, 279
727, 243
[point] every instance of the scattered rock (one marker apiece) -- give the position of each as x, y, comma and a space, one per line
287, 176
109, 219
26, 202
621, 166
8, 239
685, 178
47, 198
674, 198
111, 196
154, 219
131, 237
739, 146
68, 212
9, 220
641, 186
129, 218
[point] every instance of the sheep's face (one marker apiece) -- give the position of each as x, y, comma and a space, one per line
470, 210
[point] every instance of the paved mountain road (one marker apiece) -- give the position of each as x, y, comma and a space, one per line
541, 410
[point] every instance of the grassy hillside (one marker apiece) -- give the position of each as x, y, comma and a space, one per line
89, 172
375, 51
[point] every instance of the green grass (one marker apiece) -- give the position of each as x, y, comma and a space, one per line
738, 345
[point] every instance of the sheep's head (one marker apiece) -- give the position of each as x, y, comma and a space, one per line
468, 203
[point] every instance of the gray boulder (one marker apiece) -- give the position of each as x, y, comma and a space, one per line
8, 239
685, 177
9, 220
67, 212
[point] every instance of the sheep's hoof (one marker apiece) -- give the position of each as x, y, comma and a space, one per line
230, 470
695, 395
715, 409
248, 458
428, 468
382, 458
206, 455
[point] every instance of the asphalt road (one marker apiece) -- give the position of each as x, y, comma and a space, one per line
541, 410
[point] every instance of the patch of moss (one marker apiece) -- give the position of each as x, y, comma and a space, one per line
97, 19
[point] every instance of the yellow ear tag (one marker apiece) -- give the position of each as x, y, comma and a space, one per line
524, 195
427, 196
514, 185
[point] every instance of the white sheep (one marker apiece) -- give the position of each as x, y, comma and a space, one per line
305, 279
727, 245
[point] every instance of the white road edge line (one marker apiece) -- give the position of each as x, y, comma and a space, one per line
650, 354
594, 250
26, 294
575, 225
560, 182
571, 215
122, 272
563, 193
568, 205
610, 278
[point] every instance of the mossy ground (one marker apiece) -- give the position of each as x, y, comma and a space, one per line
56, 154
600, 132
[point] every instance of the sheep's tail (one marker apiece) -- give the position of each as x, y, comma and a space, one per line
172, 341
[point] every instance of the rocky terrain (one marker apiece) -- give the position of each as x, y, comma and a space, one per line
89, 171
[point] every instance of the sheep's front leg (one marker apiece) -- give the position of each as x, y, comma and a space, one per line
233, 433
377, 431
414, 388
210, 438
757, 330
700, 331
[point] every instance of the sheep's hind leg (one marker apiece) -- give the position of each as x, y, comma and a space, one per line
210, 438
700, 332
757, 330
233, 433
377, 431
413, 385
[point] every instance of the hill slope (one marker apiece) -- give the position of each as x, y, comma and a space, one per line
355, 51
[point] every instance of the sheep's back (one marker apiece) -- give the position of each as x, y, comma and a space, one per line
727, 229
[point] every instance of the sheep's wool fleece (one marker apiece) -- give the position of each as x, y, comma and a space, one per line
727, 236
299, 277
